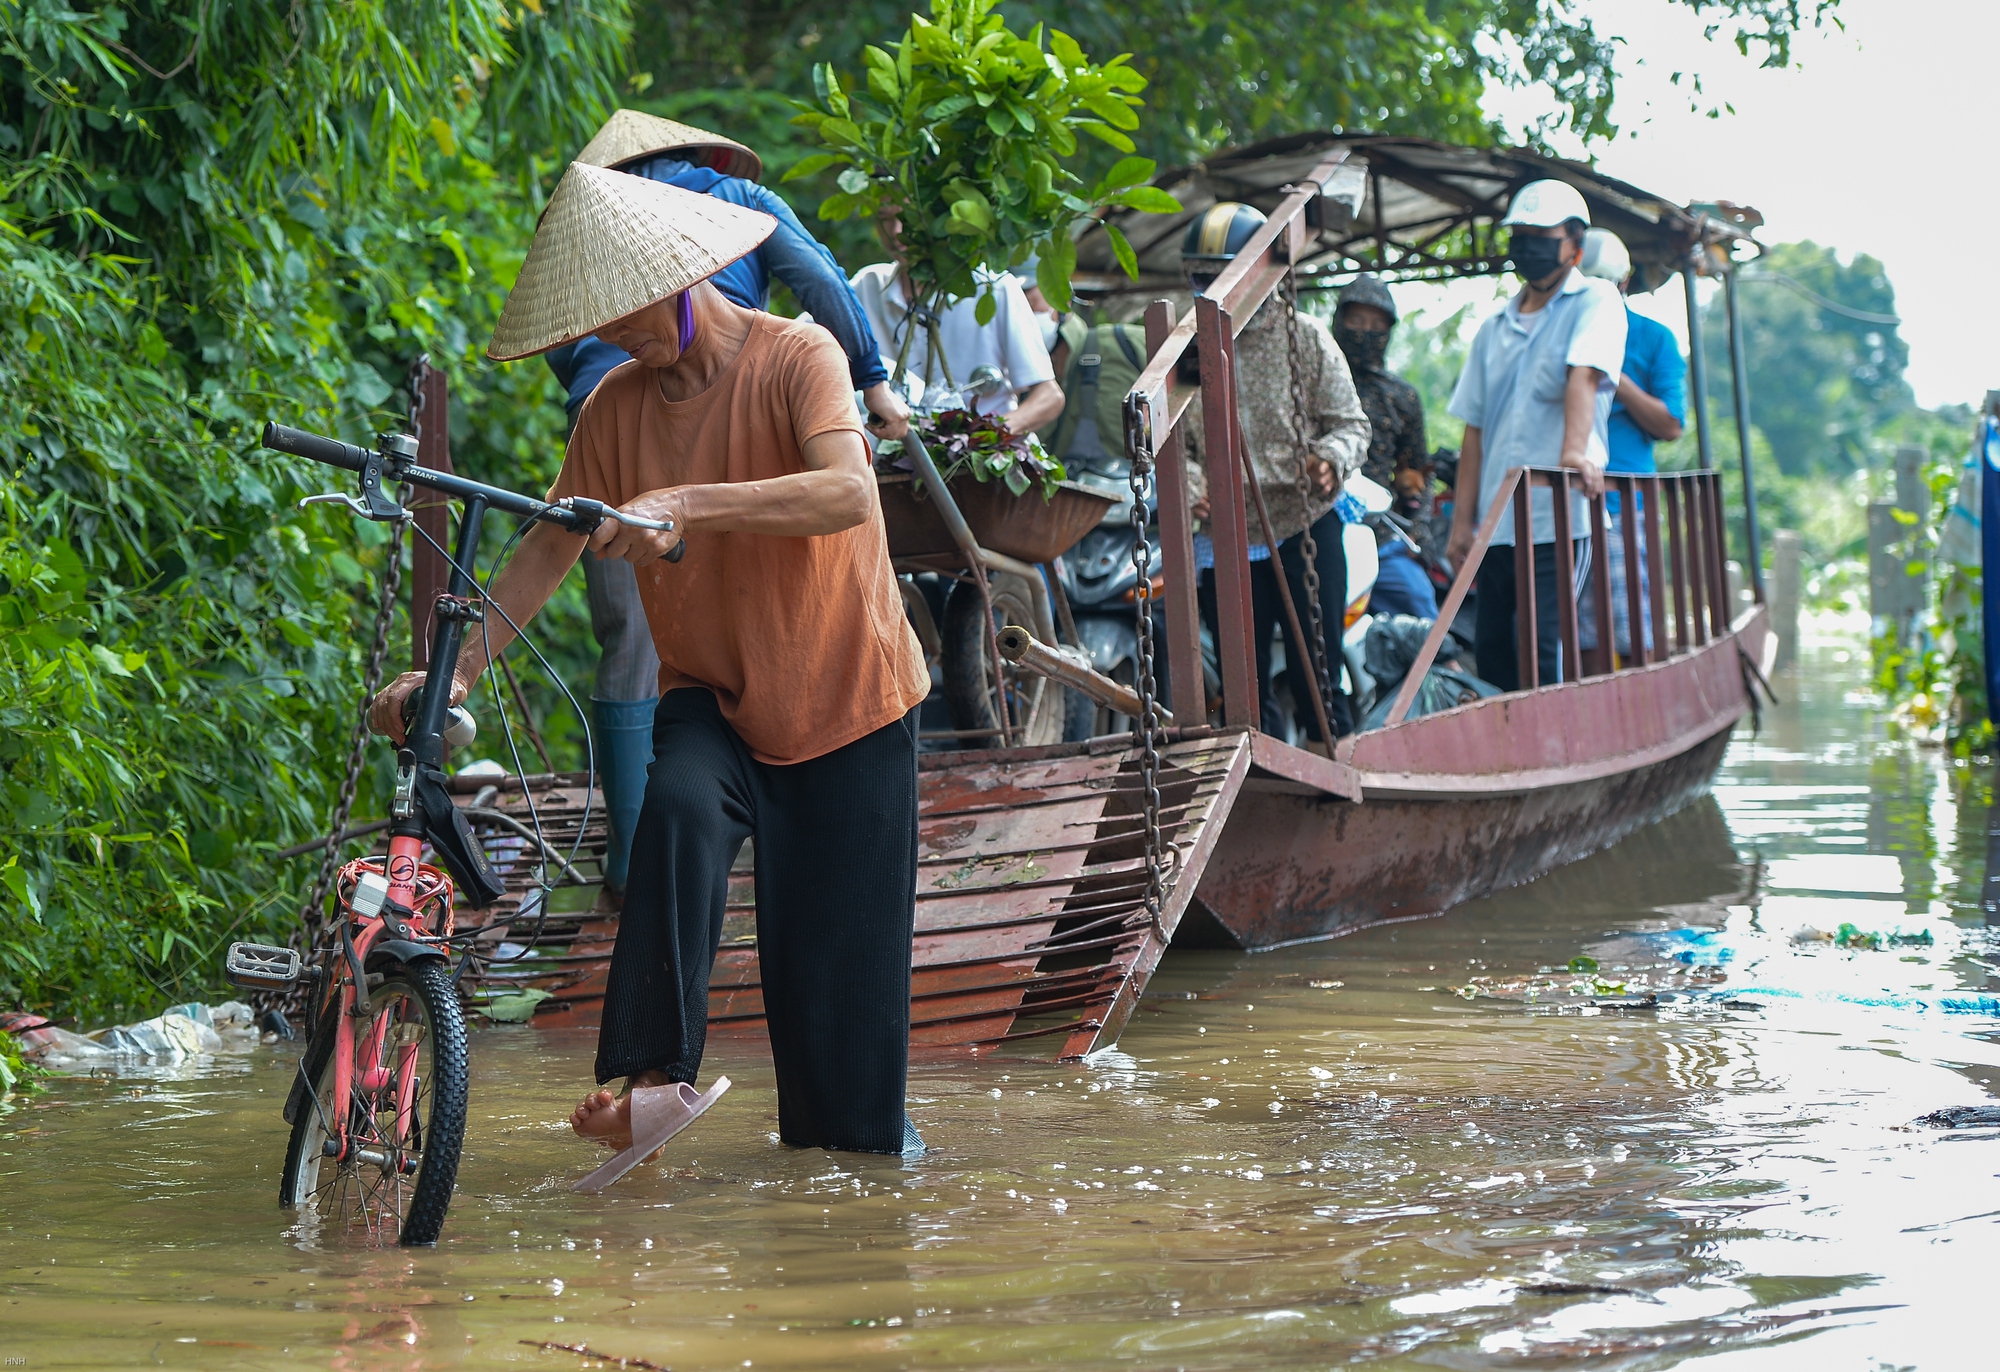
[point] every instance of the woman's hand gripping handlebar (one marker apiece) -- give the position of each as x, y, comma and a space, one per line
591, 514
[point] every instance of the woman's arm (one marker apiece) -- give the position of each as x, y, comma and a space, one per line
835, 492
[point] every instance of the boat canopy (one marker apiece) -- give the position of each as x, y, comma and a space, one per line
1407, 209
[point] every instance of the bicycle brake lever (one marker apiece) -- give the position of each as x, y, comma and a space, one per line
602, 512
352, 502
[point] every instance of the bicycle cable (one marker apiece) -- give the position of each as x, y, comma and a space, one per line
544, 886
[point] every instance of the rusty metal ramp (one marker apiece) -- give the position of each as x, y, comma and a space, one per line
1031, 924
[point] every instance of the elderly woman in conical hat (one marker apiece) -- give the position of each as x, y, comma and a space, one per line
789, 676
624, 693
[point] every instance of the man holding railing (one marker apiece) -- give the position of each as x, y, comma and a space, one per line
1274, 404
1536, 392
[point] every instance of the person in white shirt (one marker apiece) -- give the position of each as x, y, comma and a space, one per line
1536, 392
1011, 343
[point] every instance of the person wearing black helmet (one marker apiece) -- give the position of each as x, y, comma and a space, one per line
1399, 457
1336, 437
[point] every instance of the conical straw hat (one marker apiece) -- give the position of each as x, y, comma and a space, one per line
609, 244
629, 135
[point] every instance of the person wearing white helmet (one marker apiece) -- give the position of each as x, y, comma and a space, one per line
1647, 408
1536, 392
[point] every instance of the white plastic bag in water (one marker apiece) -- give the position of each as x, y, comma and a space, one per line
173, 1035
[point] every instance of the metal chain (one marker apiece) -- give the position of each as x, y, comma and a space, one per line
1147, 726
1308, 546
305, 936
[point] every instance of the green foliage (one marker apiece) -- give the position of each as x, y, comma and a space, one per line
1224, 72
215, 215
966, 136
16, 1072
1823, 385
964, 441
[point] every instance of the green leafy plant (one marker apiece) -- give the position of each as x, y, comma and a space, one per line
216, 215
966, 134
962, 442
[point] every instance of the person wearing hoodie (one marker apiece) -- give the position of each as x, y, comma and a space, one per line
1363, 318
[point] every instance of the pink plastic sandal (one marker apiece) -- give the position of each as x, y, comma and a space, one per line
658, 1113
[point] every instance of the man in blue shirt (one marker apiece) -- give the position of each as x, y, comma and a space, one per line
1535, 392
628, 670
1647, 409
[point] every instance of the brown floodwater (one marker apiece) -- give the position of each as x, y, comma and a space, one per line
1416, 1146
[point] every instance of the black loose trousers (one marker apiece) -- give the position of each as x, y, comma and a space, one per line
836, 871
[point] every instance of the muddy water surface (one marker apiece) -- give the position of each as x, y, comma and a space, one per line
1417, 1146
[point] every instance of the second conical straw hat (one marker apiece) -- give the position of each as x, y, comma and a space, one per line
629, 135
609, 244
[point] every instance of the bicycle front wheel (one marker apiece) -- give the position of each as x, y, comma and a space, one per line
385, 1166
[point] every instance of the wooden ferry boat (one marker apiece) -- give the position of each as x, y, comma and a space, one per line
1033, 928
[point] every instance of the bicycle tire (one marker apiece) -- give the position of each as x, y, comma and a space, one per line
419, 1208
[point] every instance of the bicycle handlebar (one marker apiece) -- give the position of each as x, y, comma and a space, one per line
578, 515
331, 451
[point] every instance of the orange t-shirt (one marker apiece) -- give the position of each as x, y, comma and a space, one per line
803, 640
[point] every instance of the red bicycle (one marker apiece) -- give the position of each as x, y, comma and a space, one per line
378, 1106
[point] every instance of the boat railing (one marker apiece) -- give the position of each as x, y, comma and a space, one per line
1670, 522
1688, 566
1154, 409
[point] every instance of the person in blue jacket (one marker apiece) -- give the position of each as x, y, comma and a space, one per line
627, 683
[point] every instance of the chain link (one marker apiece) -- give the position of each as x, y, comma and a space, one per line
1147, 726
1308, 546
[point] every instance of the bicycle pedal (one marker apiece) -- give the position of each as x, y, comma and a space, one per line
262, 967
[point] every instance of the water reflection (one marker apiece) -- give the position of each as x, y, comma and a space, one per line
1320, 1155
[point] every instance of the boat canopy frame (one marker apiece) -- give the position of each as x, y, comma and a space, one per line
1338, 205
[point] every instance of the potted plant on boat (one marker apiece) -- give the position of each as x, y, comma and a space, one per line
967, 134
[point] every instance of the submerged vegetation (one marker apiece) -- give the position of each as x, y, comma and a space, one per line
217, 212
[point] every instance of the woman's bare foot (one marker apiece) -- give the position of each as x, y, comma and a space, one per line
605, 1118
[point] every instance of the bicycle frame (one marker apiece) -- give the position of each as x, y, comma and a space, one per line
404, 868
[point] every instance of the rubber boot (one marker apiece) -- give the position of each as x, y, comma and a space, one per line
624, 752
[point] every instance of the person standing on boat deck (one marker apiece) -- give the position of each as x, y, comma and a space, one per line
1337, 443
1648, 408
1020, 389
1536, 392
627, 686
1363, 317
789, 674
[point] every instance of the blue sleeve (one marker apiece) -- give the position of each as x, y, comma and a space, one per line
802, 262
1669, 376
590, 360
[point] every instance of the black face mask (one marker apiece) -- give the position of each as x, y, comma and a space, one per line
1365, 348
1536, 259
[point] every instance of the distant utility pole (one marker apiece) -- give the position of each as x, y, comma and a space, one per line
1899, 571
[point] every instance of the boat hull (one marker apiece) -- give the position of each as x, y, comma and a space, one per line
1293, 868
1479, 798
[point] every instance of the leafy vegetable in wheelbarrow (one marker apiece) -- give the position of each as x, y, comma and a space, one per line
961, 441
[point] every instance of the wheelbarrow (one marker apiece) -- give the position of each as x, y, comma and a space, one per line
999, 546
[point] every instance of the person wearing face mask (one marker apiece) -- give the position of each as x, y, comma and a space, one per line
1336, 442
1363, 317
1536, 392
